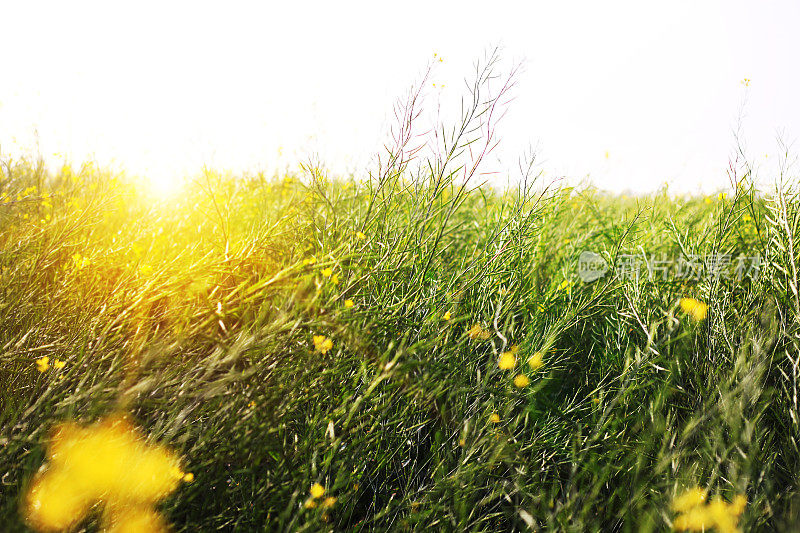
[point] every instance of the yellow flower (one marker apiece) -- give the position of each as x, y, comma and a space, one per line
58, 364
349, 303
360, 236
42, 364
514, 349
80, 261
326, 272
521, 381
507, 361
309, 260
322, 344
738, 504
310, 503
329, 501
335, 279
189, 477
446, 315
107, 462
494, 418
694, 308
135, 519
708, 200
477, 332
536, 362
691, 498
317, 490
747, 218
694, 515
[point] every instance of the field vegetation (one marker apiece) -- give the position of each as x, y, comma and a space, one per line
410, 349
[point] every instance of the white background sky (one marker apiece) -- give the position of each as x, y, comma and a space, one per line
162, 88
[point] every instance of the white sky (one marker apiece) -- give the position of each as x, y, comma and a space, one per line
162, 88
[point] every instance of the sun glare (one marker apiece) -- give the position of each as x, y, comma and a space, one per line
163, 184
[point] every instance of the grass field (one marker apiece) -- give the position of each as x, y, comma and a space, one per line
397, 352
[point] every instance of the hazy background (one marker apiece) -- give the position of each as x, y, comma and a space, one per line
630, 94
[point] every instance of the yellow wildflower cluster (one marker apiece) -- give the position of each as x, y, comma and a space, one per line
536, 361
106, 462
447, 315
507, 361
695, 515
317, 491
328, 273
521, 381
43, 364
322, 344
79, 261
477, 332
349, 303
694, 308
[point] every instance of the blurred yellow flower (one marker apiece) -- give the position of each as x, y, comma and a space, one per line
309, 260
691, 498
329, 501
80, 261
694, 515
335, 279
477, 332
58, 364
536, 361
708, 200
446, 315
135, 519
107, 462
494, 418
317, 490
507, 361
360, 236
521, 381
694, 308
42, 364
327, 272
322, 344
349, 303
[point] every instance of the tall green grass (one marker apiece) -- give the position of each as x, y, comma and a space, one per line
196, 314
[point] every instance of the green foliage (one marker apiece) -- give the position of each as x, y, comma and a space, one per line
197, 313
